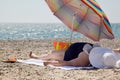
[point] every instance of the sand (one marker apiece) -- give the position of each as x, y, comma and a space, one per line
19, 71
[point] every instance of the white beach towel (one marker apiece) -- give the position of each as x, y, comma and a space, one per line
40, 63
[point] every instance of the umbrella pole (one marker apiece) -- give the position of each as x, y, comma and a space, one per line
71, 36
72, 26
71, 32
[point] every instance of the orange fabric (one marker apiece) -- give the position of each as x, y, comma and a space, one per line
11, 59
60, 45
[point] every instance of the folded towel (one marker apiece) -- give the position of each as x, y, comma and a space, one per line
41, 63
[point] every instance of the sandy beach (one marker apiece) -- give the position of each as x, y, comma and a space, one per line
21, 48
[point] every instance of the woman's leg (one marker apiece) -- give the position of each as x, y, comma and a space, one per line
81, 60
55, 55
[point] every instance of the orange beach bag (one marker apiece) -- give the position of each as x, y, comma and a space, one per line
59, 45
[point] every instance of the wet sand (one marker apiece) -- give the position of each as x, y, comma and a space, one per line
21, 48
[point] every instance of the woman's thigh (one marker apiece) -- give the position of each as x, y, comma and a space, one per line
84, 58
56, 55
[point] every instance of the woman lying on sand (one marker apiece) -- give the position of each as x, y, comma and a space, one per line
73, 56
82, 54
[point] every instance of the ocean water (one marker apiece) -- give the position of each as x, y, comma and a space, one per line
20, 31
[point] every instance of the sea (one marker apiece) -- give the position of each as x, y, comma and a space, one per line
25, 31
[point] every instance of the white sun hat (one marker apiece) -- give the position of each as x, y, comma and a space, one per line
87, 48
103, 58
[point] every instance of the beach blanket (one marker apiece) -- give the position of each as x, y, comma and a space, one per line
41, 63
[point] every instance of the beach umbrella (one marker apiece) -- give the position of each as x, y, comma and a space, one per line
83, 16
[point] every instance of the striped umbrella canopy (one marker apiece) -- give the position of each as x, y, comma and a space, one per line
83, 16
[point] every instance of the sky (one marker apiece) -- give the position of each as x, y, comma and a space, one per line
37, 11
